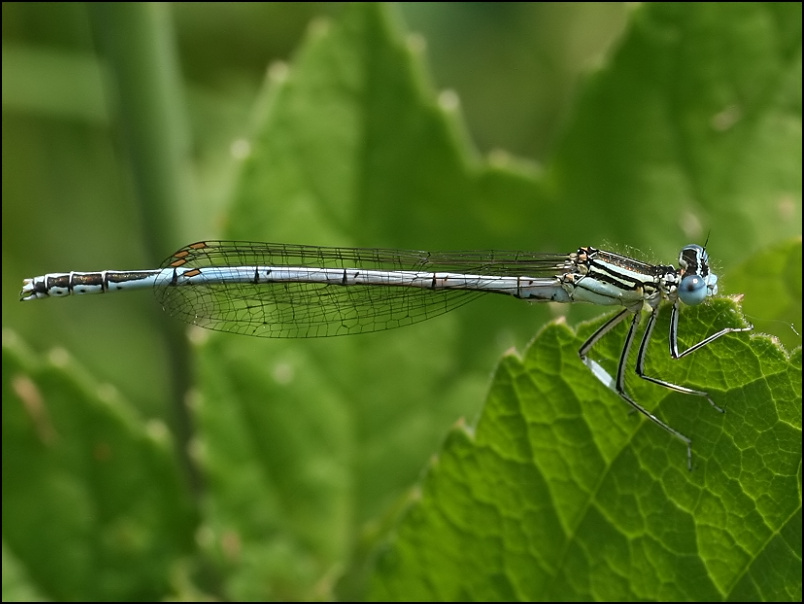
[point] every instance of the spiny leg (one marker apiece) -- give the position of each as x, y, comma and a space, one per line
674, 335
676, 355
643, 348
618, 385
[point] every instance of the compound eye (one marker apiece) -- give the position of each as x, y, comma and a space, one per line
692, 290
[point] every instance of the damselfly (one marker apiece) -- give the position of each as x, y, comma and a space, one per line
298, 291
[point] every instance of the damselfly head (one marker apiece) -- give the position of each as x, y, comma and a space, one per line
697, 282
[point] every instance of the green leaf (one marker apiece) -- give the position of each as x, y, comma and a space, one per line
93, 501
307, 448
308, 443
559, 494
691, 128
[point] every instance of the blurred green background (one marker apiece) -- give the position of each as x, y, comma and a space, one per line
577, 124
70, 200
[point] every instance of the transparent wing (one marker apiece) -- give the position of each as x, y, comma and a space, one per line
297, 310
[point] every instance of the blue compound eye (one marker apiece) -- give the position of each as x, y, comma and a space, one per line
692, 290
